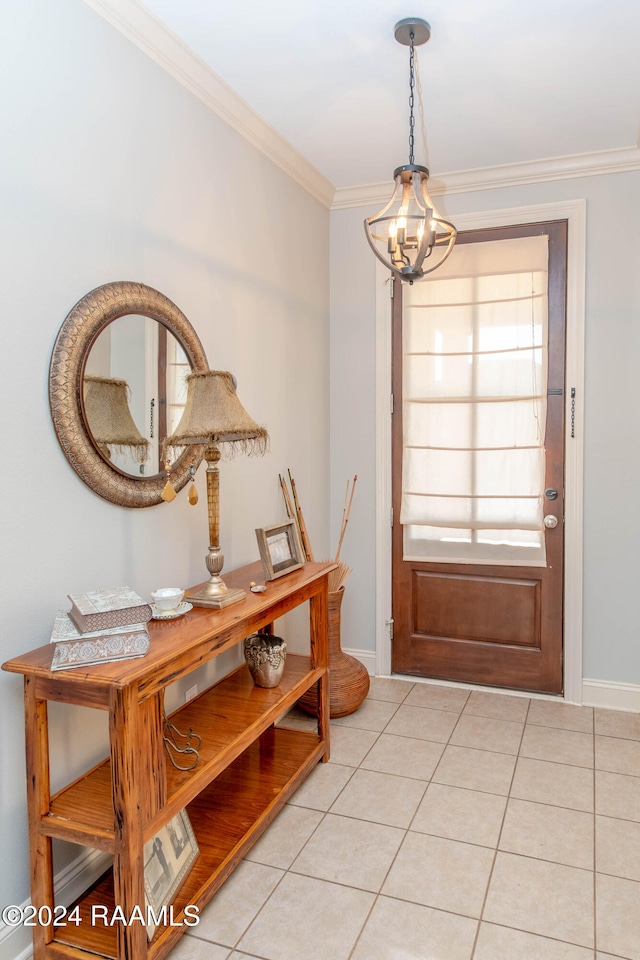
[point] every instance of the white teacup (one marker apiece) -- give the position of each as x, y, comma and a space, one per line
167, 599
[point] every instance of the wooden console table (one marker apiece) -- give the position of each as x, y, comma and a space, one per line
250, 761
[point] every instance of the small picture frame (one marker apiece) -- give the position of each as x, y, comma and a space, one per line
280, 549
168, 857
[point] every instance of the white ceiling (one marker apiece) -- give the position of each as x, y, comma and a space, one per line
503, 81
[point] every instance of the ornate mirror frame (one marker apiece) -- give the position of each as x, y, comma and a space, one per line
83, 324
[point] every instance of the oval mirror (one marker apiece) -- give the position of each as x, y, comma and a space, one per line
116, 389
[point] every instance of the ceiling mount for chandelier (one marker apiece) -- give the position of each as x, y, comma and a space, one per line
408, 235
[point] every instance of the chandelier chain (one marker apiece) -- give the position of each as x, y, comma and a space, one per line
408, 235
412, 83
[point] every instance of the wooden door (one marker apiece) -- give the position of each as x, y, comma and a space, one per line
483, 622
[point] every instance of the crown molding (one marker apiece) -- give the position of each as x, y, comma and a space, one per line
159, 43
620, 160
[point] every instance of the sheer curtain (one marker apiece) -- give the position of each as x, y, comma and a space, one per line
474, 405
178, 368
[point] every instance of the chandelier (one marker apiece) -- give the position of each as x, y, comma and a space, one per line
408, 235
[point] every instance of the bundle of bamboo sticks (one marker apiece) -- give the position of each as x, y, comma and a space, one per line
294, 512
338, 576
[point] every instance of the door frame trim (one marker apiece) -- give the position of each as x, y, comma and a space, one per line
574, 211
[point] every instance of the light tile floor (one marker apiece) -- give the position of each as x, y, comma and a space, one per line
449, 825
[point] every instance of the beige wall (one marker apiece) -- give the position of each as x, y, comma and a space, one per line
112, 171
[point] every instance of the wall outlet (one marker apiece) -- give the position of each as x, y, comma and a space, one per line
191, 692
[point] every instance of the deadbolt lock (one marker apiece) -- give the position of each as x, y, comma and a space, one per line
551, 493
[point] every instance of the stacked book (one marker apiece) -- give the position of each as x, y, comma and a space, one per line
101, 626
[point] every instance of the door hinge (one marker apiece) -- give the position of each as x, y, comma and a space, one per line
389, 623
391, 517
391, 287
391, 403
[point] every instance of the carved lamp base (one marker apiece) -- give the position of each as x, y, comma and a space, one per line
215, 592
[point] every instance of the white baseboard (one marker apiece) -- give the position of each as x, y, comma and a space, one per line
365, 657
611, 696
595, 693
16, 942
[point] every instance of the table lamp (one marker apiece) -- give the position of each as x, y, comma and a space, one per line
214, 416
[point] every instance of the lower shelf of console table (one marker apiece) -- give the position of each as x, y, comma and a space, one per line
227, 715
258, 784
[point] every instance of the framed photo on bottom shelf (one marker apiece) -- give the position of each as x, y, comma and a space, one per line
280, 549
168, 857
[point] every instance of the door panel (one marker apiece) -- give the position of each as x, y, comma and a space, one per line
487, 609
479, 622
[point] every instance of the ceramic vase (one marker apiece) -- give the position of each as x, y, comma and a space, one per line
265, 656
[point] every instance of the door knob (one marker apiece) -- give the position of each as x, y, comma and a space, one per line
550, 521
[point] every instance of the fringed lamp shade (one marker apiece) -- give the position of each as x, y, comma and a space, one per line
106, 405
213, 415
